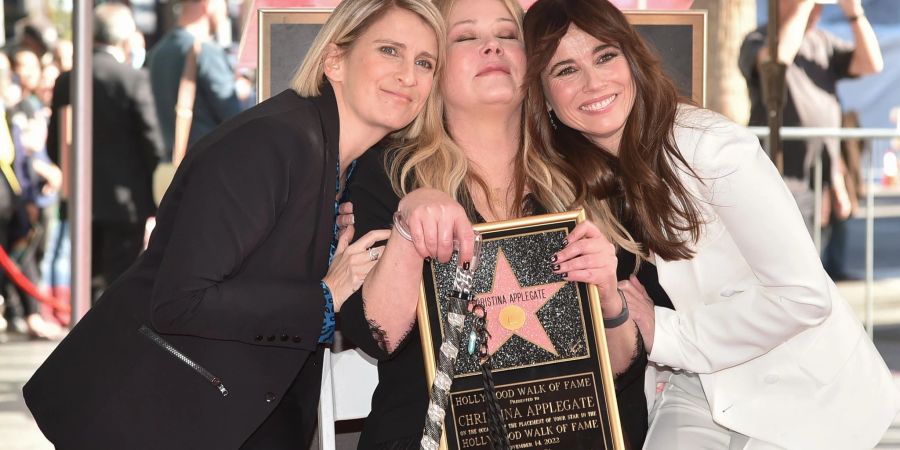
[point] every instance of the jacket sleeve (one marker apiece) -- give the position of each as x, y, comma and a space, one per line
145, 117
374, 203
231, 197
788, 292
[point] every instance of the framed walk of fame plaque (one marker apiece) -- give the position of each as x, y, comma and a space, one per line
548, 351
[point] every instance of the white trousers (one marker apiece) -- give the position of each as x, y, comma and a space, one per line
681, 419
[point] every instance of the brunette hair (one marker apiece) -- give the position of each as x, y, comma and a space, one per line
640, 184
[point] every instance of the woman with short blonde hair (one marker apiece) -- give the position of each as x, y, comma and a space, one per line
214, 338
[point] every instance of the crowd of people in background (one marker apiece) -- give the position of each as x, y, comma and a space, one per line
816, 61
31, 184
134, 95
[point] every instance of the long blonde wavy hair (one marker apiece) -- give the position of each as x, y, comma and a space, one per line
434, 160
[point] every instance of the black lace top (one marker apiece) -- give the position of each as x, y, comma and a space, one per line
401, 398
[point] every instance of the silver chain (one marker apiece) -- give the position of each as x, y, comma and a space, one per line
458, 303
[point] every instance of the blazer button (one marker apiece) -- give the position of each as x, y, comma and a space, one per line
271, 338
284, 337
270, 397
257, 338
297, 339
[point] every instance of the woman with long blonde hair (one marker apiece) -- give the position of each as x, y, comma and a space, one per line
478, 166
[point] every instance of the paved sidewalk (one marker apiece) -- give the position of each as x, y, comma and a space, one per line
18, 360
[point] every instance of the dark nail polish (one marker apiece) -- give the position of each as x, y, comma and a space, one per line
556, 267
428, 259
553, 258
565, 243
565, 274
466, 265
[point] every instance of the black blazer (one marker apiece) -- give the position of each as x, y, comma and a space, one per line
230, 282
126, 139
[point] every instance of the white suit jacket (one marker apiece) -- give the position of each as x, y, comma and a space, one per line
780, 354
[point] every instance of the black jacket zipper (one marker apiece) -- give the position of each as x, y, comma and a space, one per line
214, 380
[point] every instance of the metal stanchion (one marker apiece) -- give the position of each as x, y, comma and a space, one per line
817, 202
80, 178
870, 247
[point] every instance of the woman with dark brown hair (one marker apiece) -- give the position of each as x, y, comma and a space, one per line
760, 351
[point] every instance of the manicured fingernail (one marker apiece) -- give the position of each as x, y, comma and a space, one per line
466, 265
565, 274
553, 258
556, 267
428, 259
565, 243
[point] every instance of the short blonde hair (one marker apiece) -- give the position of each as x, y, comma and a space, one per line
347, 23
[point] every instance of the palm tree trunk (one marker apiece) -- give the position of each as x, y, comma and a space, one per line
728, 22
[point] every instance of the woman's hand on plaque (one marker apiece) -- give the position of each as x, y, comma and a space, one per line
434, 220
587, 256
352, 263
640, 307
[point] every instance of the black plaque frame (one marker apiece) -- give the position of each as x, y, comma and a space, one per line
537, 410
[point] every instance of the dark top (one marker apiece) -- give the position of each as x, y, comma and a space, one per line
126, 140
401, 398
230, 280
23, 116
811, 85
216, 99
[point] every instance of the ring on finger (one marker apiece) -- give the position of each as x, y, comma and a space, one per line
373, 254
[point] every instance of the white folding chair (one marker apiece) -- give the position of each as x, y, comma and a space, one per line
348, 381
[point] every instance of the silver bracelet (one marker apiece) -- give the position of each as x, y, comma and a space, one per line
622, 317
400, 226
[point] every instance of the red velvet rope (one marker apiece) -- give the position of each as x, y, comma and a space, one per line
16, 275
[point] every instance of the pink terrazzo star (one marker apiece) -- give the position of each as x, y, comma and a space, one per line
512, 309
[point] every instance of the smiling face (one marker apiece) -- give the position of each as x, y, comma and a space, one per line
589, 85
485, 57
384, 78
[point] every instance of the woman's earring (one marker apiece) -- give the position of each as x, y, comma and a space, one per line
550, 115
